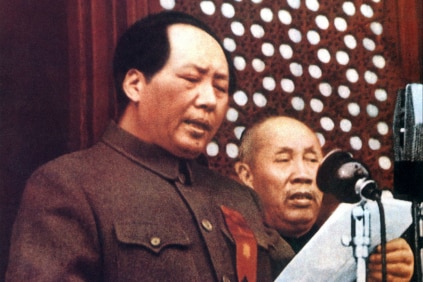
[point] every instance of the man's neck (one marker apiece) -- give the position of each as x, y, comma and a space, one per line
297, 243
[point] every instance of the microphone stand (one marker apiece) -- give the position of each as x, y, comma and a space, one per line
417, 212
360, 237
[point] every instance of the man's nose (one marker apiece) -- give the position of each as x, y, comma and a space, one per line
207, 97
302, 172
300, 166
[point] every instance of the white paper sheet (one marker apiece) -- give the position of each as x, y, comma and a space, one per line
325, 258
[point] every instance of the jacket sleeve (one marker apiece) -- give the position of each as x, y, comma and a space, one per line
54, 236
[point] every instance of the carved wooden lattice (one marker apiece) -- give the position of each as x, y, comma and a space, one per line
330, 64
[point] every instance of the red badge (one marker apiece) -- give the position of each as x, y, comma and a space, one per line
246, 245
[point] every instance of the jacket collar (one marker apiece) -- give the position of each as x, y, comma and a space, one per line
147, 155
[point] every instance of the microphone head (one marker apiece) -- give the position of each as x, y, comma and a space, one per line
408, 142
338, 175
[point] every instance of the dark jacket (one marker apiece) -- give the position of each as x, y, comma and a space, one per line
124, 210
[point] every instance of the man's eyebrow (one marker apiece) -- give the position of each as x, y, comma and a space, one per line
284, 149
217, 75
221, 76
311, 150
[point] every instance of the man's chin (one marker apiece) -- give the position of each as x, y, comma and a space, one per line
294, 229
302, 217
189, 151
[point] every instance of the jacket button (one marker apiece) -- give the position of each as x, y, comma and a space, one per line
207, 225
182, 178
155, 241
225, 279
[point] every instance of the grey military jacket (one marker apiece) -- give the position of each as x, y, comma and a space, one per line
124, 210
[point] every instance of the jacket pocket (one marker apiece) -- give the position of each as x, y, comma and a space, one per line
153, 236
152, 251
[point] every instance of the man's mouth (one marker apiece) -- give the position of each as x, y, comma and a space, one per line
302, 195
301, 198
199, 125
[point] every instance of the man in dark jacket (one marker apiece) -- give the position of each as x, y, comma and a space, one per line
137, 206
279, 159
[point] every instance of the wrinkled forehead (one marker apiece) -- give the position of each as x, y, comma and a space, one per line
285, 133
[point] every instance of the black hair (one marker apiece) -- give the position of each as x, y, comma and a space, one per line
145, 47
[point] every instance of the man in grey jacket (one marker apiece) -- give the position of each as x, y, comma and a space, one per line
137, 206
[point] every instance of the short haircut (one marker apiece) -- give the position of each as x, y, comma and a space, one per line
145, 46
249, 140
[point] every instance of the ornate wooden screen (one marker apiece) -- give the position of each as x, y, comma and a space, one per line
336, 65
333, 64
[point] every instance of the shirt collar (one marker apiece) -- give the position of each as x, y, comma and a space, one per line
148, 155
298, 243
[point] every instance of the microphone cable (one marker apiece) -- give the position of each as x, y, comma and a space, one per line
382, 237
369, 191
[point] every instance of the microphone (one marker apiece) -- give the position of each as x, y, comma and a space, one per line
408, 142
346, 178
408, 160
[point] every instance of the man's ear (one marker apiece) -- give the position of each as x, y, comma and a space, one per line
133, 84
244, 173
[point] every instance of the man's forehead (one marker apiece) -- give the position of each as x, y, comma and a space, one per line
287, 139
286, 129
188, 41
295, 149
177, 30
